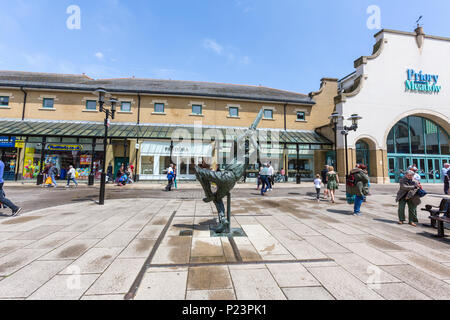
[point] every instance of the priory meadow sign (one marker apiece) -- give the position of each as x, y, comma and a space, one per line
419, 82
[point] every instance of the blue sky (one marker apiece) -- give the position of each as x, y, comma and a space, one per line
284, 44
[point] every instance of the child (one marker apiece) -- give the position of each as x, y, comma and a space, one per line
318, 185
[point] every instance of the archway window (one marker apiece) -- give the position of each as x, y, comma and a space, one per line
362, 153
417, 135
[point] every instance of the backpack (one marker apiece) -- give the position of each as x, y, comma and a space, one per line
351, 180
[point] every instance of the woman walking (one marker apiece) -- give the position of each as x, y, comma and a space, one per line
408, 194
332, 183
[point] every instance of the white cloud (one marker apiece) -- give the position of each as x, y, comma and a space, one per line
99, 55
212, 45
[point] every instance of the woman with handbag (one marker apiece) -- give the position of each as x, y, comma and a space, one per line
409, 194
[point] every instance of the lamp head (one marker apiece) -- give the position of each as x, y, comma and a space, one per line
335, 117
354, 119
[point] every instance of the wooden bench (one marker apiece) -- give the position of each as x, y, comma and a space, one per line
443, 208
440, 221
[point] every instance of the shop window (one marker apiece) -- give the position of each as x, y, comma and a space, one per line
301, 116
125, 106
431, 136
147, 165
159, 107
164, 164
234, 112
48, 103
268, 114
4, 101
91, 105
197, 109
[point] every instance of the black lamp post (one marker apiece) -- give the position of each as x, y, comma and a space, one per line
354, 119
101, 93
336, 117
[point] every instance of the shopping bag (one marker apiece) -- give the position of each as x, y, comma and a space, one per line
48, 181
350, 198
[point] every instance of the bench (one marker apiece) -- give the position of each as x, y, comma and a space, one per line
440, 221
443, 208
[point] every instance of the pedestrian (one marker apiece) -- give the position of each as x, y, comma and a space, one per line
71, 176
271, 176
408, 194
324, 174
283, 175
110, 172
258, 180
3, 200
175, 181
53, 172
318, 186
445, 178
170, 177
264, 179
332, 183
358, 186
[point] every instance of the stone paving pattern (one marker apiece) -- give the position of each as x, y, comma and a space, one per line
369, 257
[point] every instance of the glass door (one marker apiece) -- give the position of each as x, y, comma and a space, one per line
392, 169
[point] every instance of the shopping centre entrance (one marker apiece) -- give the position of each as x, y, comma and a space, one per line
421, 142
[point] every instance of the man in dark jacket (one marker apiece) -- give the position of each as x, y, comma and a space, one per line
407, 194
324, 173
358, 185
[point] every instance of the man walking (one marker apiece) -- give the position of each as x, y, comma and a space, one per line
265, 179
444, 174
358, 185
6, 202
71, 175
170, 177
53, 172
271, 175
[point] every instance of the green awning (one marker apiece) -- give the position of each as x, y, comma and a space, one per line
29, 128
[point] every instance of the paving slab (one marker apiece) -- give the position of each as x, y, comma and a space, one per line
27, 280
426, 284
117, 238
37, 233
163, 286
105, 297
118, 278
211, 295
325, 245
16, 260
400, 291
255, 284
343, 285
209, 278
425, 264
429, 253
138, 248
292, 275
307, 293
95, 260
64, 287
371, 254
70, 250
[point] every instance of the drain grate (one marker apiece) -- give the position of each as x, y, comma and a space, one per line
186, 233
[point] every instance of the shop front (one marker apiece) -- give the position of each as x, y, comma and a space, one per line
156, 157
63, 152
8, 153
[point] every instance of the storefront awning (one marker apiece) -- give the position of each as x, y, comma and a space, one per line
27, 128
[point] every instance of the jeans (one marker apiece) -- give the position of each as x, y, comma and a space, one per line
358, 202
72, 179
265, 184
169, 185
446, 186
5, 201
52, 176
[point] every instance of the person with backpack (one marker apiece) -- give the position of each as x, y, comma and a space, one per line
358, 186
170, 177
332, 183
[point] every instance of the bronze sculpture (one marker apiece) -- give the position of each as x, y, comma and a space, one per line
226, 180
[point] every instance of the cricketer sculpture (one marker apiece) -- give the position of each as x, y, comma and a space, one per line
227, 179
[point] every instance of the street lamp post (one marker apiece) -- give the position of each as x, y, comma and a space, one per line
335, 117
354, 119
101, 93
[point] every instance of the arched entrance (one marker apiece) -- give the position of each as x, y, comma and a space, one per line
419, 141
363, 153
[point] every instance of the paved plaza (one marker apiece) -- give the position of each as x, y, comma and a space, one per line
146, 244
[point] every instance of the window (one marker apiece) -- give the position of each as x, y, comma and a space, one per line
197, 109
159, 107
234, 112
4, 101
48, 103
125, 107
301, 116
268, 114
91, 105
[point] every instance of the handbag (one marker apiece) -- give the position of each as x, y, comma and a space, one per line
421, 193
